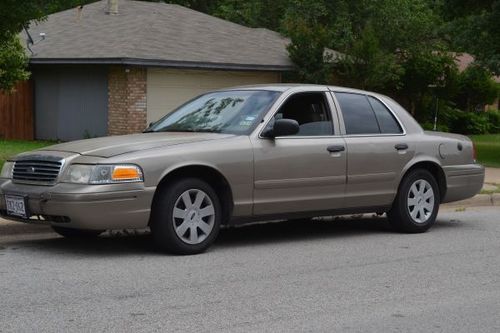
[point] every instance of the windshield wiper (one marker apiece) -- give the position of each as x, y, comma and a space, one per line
207, 131
187, 130
184, 130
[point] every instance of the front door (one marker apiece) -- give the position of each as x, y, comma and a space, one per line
306, 171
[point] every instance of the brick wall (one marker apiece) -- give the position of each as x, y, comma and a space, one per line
127, 107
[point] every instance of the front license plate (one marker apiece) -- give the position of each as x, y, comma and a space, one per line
16, 206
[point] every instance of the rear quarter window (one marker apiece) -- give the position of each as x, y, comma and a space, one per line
386, 120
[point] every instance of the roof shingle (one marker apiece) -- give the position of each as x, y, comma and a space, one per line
156, 34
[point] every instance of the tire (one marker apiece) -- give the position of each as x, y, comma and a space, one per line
76, 233
417, 203
186, 217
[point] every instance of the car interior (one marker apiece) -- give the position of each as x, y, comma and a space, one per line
310, 111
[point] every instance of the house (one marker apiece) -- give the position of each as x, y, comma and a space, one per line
112, 67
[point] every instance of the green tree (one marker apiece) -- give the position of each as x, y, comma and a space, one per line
426, 73
241, 12
309, 38
14, 16
393, 46
474, 27
368, 66
307, 52
476, 88
17, 14
13, 63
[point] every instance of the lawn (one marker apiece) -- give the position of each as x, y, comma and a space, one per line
10, 148
488, 149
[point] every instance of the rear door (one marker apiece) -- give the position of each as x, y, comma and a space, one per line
303, 172
377, 147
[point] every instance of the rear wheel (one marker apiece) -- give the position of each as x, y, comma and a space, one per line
76, 233
186, 217
417, 203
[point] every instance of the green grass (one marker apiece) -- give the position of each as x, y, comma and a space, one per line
497, 190
9, 148
488, 149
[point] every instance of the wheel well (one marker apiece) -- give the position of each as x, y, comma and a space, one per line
207, 174
436, 171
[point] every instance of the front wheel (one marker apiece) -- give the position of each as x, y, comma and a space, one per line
417, 203
186, 217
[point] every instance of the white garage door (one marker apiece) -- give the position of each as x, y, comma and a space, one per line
169, 88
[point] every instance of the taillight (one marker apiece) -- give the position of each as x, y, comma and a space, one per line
474, 153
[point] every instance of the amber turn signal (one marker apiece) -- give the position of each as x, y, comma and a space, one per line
126, 173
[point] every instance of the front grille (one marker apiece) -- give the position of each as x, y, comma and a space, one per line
43, 170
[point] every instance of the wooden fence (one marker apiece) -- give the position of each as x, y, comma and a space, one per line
16, 112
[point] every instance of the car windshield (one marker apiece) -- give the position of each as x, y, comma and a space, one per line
232, 112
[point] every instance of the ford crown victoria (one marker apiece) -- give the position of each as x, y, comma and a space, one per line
246, 154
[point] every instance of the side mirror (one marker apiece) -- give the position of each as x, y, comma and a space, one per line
282, 127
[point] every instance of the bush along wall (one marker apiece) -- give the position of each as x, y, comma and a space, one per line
468, 123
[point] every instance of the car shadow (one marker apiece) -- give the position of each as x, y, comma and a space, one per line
126, 243
123, 243
301, 230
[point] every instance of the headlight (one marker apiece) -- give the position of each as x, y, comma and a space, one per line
7, 169
103, 174
79, 174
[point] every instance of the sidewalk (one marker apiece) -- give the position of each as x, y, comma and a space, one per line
492, 176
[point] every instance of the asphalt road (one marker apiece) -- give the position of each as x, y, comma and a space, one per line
350, 275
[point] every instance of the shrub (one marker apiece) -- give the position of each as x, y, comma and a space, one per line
457, 121
470, 123
476, 88
494, 121
428, 126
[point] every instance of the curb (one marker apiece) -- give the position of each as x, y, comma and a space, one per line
480, 200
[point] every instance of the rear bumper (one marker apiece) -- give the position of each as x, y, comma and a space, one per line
463, 181
117, 206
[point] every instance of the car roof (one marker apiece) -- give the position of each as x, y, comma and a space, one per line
282, 87
272, 87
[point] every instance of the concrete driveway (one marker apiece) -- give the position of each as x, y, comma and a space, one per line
343, 275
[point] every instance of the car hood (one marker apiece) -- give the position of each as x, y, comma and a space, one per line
121, 144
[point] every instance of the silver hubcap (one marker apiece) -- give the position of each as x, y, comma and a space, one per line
420, 201
193, 216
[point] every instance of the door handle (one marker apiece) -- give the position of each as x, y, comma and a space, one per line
401, 146
335, 148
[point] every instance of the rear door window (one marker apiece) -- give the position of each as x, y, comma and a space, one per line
358, 114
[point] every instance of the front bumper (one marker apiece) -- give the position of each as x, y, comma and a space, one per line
114, 206
463, 181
